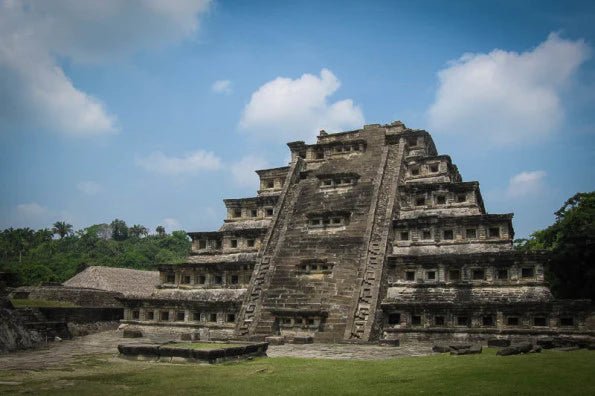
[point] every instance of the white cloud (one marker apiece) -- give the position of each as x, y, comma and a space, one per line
193, 162
297, 109
35, 91
505, 97
221, 87
30, 214
31, 210
526, 183
89, 187
243, 171
171, 224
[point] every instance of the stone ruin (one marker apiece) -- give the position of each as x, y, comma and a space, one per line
367, 235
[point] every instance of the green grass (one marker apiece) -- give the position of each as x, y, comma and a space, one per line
23, 303
201, 345
548, 373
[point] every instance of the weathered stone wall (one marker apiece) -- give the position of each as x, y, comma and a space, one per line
78, 296
322, 301
13, 334
82, 314
234, 275
367, 234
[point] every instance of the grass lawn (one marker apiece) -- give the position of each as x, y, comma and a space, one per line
23, 303
548, 373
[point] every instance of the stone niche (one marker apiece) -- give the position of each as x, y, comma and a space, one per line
298, 322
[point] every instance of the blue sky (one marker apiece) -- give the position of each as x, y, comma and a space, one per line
153, 112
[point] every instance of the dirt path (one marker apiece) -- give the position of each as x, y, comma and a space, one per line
347, 351
64, 353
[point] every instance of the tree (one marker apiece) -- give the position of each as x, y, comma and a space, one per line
571, 241
160, 230
37, 257
138, 231
22, 239
119, 230
101, 231
35, 274
62, 228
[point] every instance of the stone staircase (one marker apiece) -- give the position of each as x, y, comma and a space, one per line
250, 320
381, 215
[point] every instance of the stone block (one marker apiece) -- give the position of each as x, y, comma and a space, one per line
302, 340
473, 349
139, 349
132, 333
275, 340
523, 347
535, 349
568, 349
235, 351
259, 348
457, 347
546, 343
393, 343
175, 352
441, 348
215, 354
498, 342
199, 354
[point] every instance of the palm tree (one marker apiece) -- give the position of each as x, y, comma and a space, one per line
160, 231
138, 231
119, 230
62, 228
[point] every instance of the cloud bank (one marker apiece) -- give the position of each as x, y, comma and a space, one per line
243, 171
507, 97
31, 210
34, 215
525, 184
288, 109
221, 87
190, 163
35, 91
89, 187
170, 224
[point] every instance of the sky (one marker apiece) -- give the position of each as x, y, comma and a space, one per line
154, 111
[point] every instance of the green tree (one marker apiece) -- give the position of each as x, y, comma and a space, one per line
571, 241
160, 230
119, 230
101, 231
138, 231
22, 239
37, 257
165, 257
62, 228
35, 274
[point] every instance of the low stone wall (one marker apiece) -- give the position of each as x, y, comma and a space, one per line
170, 353
163, 331
83, 329
79, 296
408, 338
82, 314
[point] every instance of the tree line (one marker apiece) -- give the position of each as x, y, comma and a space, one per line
58, 253
570, 242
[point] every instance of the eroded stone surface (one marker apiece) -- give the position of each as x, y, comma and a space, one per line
367, 235
62, 354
